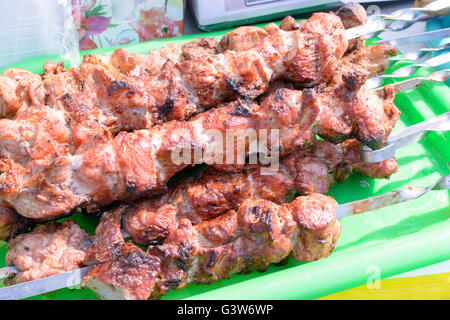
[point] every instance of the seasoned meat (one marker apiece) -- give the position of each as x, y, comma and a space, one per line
199, 48
19, 88
130, 276
103, 170
318, 227
128, 91
369, 61
351, 109
47, 250
376, 170
288, 24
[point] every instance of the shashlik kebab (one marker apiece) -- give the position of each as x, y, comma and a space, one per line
260, 232
135, 100
213, 193
139, 163
21, 88
367, 60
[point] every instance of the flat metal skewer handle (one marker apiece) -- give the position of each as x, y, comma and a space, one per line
405, 137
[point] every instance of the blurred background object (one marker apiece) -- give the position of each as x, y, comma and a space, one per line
104, 23
33, 28
229, 13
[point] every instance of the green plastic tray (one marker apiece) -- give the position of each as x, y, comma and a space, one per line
373, 245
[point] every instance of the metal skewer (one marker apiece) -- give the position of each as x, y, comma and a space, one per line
399, 20
74, 277
407, 136
391, 198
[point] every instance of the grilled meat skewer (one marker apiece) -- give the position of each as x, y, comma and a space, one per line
129, 98
213, 193
259, 233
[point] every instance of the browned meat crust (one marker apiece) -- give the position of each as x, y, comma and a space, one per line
48, 250
9, 222
259, 233
243, 38
351, 109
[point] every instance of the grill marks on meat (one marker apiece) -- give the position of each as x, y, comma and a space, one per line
259, 233
48, 250
213, 193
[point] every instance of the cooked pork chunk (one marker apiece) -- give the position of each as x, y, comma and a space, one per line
47, 250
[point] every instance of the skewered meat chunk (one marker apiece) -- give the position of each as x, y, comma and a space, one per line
74, 119
121, 264
19, 88
288, 24
130, 95
368, 61
352, 15
48, 250
351, 109
382, 169
243, 38
259, 233
130, 275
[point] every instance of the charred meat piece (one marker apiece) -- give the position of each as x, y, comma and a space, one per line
351, 110
131, 91
369, 61
376, 170
103, 170
47, 250
130, 275
10, 222
19, 88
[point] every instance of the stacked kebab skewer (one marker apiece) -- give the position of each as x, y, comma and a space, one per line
105, 132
